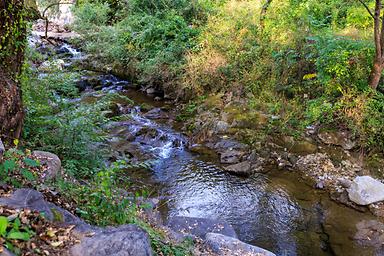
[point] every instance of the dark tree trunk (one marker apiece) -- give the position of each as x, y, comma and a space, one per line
263, 13
12, 44
375, 76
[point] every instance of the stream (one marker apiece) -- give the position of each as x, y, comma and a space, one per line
276, 210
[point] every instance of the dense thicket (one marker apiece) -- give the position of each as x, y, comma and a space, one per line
308, 62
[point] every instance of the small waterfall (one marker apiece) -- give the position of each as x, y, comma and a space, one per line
163, 142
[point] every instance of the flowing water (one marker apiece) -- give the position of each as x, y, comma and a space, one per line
276, 210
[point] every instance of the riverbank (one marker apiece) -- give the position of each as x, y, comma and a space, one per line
272, 207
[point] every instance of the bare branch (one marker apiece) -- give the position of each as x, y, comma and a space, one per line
51, 5
367, 8
46, 18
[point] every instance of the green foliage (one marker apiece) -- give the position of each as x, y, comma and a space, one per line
13, 229
100, 201
56, 124
18, 168
343, 63
149, 37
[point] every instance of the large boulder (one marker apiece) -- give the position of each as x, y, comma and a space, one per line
34, 200
228, 246
199, 227
126, 240
366, 190
51, 161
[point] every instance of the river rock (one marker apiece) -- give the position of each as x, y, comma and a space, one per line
370, 233
156, 113
366, 190
228, 144
202, 150
199, 227
47, 66
231, 156
221, 127
150, 91
337, 138
51, 161
228, 246
243, 168
126, 240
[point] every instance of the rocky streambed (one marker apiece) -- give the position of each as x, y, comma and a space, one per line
272, 206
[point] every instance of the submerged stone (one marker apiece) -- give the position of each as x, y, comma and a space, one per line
199, 227
224, 245
243, 168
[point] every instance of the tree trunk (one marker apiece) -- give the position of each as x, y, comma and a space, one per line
375, 76
12, 44
263, 13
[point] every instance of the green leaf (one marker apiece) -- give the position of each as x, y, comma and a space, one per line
16, 224
9, 165
19, 235
31, 163
28, 175
3, 225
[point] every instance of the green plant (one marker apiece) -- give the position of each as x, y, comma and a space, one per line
13, 229
18, 168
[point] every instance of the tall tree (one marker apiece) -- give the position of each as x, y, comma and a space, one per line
263, 13
378, 63
12, 44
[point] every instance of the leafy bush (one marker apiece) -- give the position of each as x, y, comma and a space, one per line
55, 124
343, 63
18, 168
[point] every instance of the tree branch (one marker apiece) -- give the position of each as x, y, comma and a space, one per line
46, 18
367, 8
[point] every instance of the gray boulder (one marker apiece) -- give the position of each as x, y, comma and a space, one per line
243, 168
127, 240
199, 227
34, 200
51, 161
228, 246
366, 190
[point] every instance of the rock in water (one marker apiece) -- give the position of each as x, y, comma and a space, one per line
243, 168
231, 157
127, 240
199, 227
228, 246
366, 190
